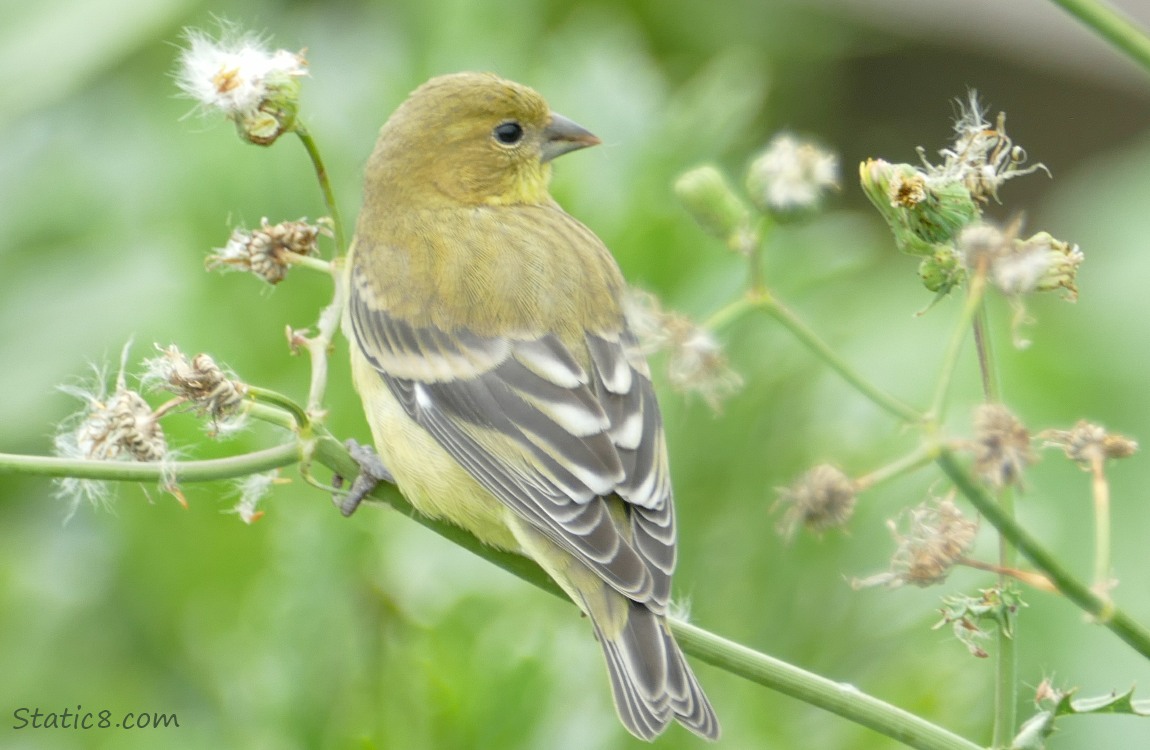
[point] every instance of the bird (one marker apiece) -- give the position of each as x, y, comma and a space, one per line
505, 391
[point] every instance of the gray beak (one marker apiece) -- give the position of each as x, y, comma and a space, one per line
563, 135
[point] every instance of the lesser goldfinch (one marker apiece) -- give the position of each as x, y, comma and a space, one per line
504, 390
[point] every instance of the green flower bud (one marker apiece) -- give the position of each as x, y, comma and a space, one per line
712, 202
940, 271
276, 113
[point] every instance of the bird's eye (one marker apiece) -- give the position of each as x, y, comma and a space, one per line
508, 133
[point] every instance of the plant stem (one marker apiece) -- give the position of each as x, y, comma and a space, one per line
272, 415
1100, 488
267, 396
1029, 577
1006, 654
757, 241
991, 387
921, 456
733, 310
1104, 611
966, 318
1112, 26
307, 261
810, 339
154, 471
321, 344
324, 185
837, 697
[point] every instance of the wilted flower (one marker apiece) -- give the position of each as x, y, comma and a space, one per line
1062, 261
238, 76
982, 157
269, 251
695, 361
1001, 446
1019, 272
1017, 266
199, 381
938, 537
822, 498
120, 427
791, 176
928, 205
117, 427
1089, 444
981, 246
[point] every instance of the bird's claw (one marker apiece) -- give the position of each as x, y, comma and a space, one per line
371, 472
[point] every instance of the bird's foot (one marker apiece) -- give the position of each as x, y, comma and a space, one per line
371, 472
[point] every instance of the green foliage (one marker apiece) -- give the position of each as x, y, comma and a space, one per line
1039, 728
966, 615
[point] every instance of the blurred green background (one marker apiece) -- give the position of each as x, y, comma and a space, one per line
306, 630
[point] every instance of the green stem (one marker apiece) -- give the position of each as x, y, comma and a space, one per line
320, 345
776, 309
1112, 26
309, 262
1006, 653
272, 415
916, 459
755, 282
991, 384
266, 396
836, 697
324, 185
966, 318
732, 311
1100, 488
154, 471
1104, 612
765, 301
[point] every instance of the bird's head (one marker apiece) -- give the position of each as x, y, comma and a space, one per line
472, 139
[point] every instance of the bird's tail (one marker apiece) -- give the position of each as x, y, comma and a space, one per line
650, 680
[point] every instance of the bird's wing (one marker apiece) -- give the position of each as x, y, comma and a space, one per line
552, 440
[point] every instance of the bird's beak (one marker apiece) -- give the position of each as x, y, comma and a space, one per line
563, 135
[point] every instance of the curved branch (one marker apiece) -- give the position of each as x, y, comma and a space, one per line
154, 471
